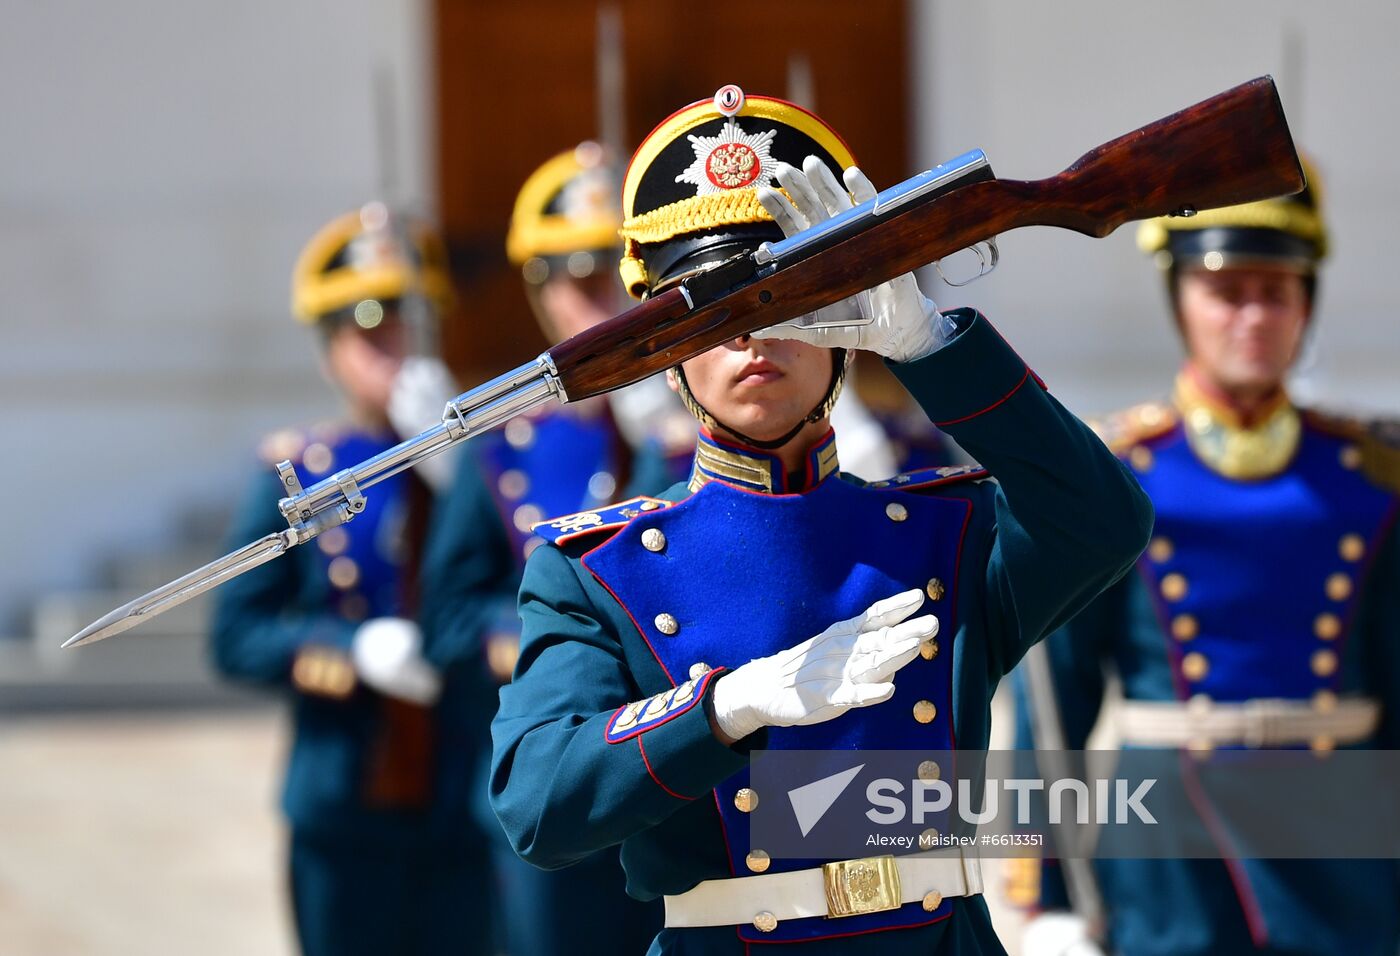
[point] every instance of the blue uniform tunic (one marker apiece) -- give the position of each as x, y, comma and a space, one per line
603, 738
1276, 584
552, 463
386, 855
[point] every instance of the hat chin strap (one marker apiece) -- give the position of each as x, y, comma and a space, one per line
840, 360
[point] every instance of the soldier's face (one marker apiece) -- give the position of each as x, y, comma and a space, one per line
1243, 327
762, 387
574, 305
364, 362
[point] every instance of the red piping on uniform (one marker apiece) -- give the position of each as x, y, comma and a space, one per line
1001, 401
1254, 919
957, 576
643, 751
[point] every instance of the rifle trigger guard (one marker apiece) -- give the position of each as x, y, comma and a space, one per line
986, 262
354, 497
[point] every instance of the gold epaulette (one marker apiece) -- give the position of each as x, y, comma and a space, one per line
1122, 430
1375, 448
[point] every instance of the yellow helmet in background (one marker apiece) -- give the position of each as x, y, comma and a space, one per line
566, 216
1284, 231
371, 255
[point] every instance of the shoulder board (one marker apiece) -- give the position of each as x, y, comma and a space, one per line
569, 527
1121, 430
933, 477
1376, 444
1352, 427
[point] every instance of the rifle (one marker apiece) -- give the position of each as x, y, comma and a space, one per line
1232, 148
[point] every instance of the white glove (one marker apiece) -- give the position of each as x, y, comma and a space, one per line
850, 664
905, 325
388, 656
1058, 934
421, 391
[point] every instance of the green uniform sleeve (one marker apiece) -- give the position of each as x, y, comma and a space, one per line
262, 618
1070, 518
470, 576
560, 789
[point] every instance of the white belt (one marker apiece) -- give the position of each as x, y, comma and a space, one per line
1254, 723
846, 888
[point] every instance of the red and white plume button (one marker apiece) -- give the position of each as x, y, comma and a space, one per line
729, 99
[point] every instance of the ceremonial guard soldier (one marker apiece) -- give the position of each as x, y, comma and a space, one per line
1263, 614
563, 236
769, 601
386, 857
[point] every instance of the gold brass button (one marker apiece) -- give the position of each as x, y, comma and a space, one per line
757, 861
1351, 547
657, 706
649, 506
653, 539
513, 484
896, 511
1324, 663
765, 922
1350, 457
667, 624
520, 433
924, 711
333, 541
936, 590
1327, 626
317, 458
1140, 458
928, 650
1174, 587
1160, 549
932, 900
699, 669
1185, 627
526, 516
1323, 744
746, 800
1194, 666
343, 572
929, 770
1324, 702
1338, 586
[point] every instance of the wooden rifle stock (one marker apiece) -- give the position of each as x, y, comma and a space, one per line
1232, 148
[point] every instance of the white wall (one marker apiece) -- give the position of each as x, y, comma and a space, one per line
161, 163
1037, 84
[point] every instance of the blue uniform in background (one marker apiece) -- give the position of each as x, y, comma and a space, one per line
1273, 575
602, 738
386, 855
535, 467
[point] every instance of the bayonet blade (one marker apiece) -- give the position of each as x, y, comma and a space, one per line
182, 589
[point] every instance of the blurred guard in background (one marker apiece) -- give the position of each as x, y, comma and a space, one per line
385, 855
1265, 611
563, 236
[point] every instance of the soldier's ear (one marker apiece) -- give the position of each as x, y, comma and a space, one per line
672, 381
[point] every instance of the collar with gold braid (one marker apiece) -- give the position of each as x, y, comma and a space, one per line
1225, 444
761, 471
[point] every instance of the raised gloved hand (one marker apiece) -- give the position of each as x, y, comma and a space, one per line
905, 324
421, 391
1058, 934
850, 664
388, 656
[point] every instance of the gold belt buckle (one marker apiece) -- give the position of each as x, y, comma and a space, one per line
854, 887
